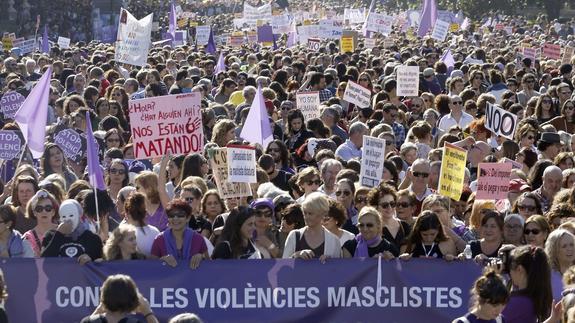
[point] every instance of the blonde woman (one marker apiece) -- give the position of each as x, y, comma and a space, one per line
122, 244
156, 198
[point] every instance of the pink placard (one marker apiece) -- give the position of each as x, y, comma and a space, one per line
493, 181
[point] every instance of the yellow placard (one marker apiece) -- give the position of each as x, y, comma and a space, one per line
193, 24
347, 44
307, 22
7, 43
411, 34
453, 27
452, 171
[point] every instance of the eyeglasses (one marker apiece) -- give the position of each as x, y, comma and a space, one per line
46, 208
530, 137
528, 208
274, 150
113, 140
264, 213
403, 204
421, 174
286, 108
189, 200
386, 205
339, 193
457, 102
365, 225
532, 231
316, 182
361, 200
118, 171
180, 215
547, 101
416, 105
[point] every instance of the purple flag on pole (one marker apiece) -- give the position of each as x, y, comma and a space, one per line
94, 171
221, 65
33, 115
428, 17
448, 60
211, 46
172, 29
257, 128
45, 42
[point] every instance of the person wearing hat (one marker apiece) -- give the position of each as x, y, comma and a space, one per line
265, 236
516, 187
429, 82
549, 145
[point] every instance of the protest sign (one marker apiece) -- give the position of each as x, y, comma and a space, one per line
313, 44
407, 80
567, 54
493, 181
236, 40
388, 43
241, 164
370, 42
347, 45
308, 104
202, 35
280, 24
265, 34
219, 165
166, 125
454, 27
355, 16
508, 30
10, 103
529, 52
27, 46
357, 94
252, 14
378, 22
372, 156
501, 122
452, 171
440, 30
10, 144
71, 142
133, 39
514, 164
330, 29
6, 43
63, 42
552, 51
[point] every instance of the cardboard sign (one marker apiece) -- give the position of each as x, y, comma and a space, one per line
568, 54
501, 122
133, 39
372, 157
167, 124
202, 35
280, 24
313, 44
407, 80
241, 165
552, 51
63, 42
357, 94
370, 42
454, 27
27, 46
308, 104
10, 144
330, 29
10, 103
440, 30
219, 165
529, 52
452, 171
493, 181
72, 143
378, 22
347, 45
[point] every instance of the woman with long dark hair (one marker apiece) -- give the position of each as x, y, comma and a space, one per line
297, 132
54, 162
117, 177
490, 295
236, 239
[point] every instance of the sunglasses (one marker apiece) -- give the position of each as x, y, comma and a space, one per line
530, 137
113, 140
46, 208
526, 208
180, 215
117, 171
421, 174
339, 193
267, 214
189, 200
386, 205
403, 204
361, 200
457, 102
316, 182
547, 101
532, 231
365, 225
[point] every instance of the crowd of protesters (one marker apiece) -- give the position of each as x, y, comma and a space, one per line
308, 202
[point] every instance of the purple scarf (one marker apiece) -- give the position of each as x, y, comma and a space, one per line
362, 245
171, 247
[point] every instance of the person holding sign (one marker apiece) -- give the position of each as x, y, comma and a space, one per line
369, 242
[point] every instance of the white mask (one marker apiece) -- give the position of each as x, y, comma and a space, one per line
70, 210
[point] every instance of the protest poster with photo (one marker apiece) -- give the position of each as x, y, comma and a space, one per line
552, 51
500, 121
10, 103
10, 144
407, 80
380, 23
372, 157
493, 181
308, 104
241, 164
71, 142
567, 54
440, 30
219, 164
357, 94
202, 35
63, 42
133, 39
167, 124
452, 171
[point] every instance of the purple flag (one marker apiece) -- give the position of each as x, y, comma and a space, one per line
257, 128
428, 17
172, 29
211, 46
221, 65
45, 42
33, 115
94, 170
448, 60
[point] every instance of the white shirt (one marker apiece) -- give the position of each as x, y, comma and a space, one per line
449, 121
145, 237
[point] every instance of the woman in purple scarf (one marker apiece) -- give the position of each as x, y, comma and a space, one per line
369, 243
179, 243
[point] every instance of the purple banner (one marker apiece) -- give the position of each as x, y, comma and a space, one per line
10, 144
10, 103
284, 290
72, 143
265, 34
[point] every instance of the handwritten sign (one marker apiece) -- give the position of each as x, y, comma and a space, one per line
10, 103
308, 104
440, 30
370, 42
330, 29
10, 144
202, 35
72, 144
347, 45
372, 158
63, 42
500, 121
280, 24
241, 165
552, 51
357, 94
313, 44
452, 171
529, 52
567, 54
407, 80
493, 181
27, 46
133, 39
226, 188
166, 124
378, 22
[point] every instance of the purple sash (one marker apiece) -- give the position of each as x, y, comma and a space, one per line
171, 247
361, 250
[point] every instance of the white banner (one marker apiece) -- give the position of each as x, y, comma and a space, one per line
499, 121
440, 30
63, 42
355, 16
202, 35
330, 29
305, 32
241, 165
357, 94
133, 39
372, 157
280, 24
308, 104
252, 14
380, 23
407, 80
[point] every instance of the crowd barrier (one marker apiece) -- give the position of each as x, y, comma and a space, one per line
341, 290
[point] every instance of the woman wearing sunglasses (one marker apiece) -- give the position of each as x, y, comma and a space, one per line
117, 177
369, 243
344, 194
527, 204
384, 199
309, 181
266, 233
536, 231
43, 207
179, 242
